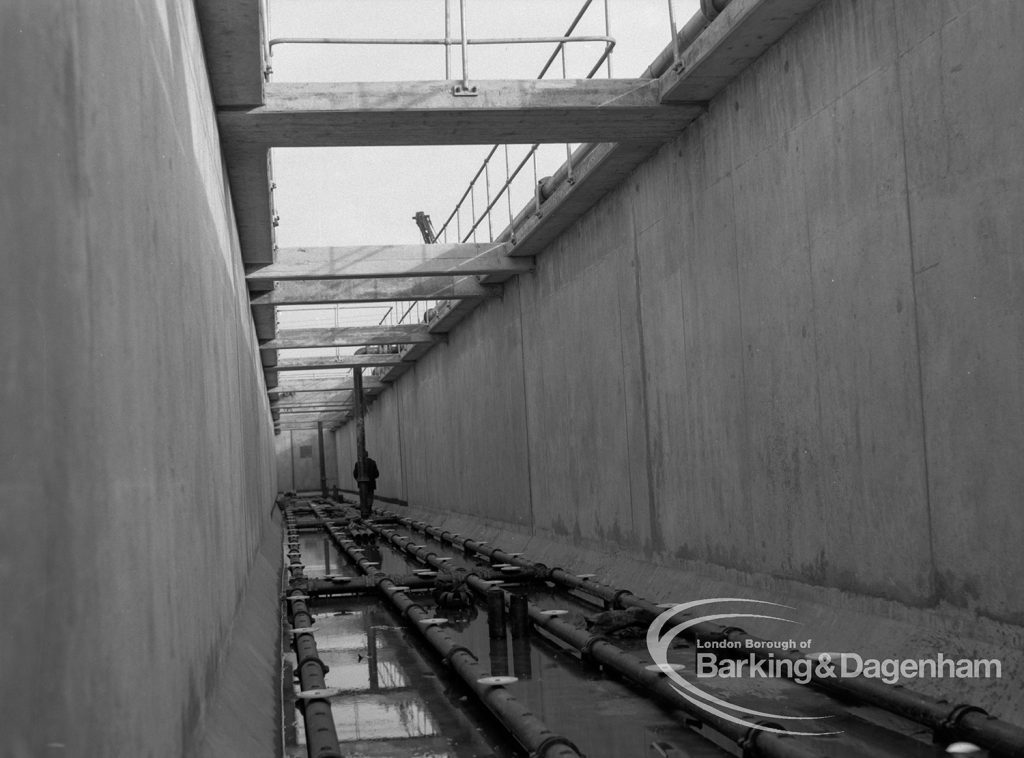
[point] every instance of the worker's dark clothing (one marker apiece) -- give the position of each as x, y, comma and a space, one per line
366, 488
371, 471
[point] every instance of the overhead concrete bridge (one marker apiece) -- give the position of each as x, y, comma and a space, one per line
757, 346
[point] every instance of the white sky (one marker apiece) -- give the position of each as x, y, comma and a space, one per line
351, 196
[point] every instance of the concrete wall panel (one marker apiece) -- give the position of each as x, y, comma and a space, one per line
965, 172
693, 352
464, 448
136, 458
875, 520
580, 453
298, 461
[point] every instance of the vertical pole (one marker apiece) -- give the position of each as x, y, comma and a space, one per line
508, 198
522, 665
323, 467
357, 395
608, 33
327, 556
498, 651
496, 612
568, 147
519, 615
675, 32
536, 185
472, 208
447, 36
291, 446
465, 51
487, 182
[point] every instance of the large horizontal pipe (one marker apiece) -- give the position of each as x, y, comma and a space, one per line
362, 585
321, 735
951, 723
527, 729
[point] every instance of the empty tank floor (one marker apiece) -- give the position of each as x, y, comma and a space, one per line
391, 695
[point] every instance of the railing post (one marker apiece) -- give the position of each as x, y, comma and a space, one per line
608, 33
675, 32
448, 36
464, 89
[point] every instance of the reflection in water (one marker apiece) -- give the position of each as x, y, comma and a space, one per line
522, 658
499, 656
390, 704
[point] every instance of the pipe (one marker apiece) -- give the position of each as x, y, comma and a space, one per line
522, 660
496, 614
949, 722
361, 585
518, 611
498, 653
527, 729
321, 736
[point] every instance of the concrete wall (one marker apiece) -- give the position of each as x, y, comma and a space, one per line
790, 344
136, 457
298, 460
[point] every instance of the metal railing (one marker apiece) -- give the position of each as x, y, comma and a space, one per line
463, 42
680, 38
493, 198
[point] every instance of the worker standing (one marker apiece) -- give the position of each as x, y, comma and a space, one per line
367, 483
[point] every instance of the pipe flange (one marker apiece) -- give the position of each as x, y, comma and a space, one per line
549, 742
946, 731
748, 743
616, 598
324, 668
587, 646
542, 572
447, 659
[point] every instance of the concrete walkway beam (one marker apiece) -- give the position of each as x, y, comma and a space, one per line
389, 261
318, 292
524, 111
325, 385
349, 336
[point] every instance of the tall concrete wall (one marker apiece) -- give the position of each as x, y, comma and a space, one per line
136, 455
790, 344
383, 449
298, 461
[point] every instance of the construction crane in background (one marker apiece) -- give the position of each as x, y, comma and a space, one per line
426, 228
